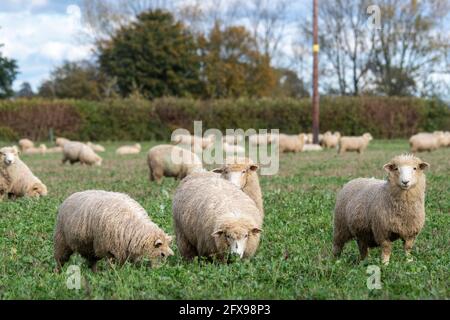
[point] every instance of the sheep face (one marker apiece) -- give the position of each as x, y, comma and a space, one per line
237, 174
368, 136
8, 155
233, 238
158, 248
405, 171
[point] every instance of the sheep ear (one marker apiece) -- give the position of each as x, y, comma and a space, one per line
389, 167
256, 230
16, 150
158, 243
253, 167
424, 165
217, 233
218, 170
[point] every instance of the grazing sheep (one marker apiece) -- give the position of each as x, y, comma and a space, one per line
95, 147
358, 144
61, 141
311, 147
291, 143
213, 218
41, 150
377, 212
74, 151
124, 150
16, 179
167, 160
99, 224
330, 140
25, 144
424, 142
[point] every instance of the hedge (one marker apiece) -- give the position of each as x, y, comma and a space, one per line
139, 119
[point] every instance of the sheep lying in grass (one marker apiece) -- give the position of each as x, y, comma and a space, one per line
124, 150
74, 151
213, 218
426, 141
330, 140
290, 143
54, 150
25, 144
358, 144
95, 147
377, 212
42, 149
172, 161
16, 179
242, 172
99, 224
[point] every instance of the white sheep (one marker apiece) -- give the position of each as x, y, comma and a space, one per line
75, 151
290, 143
212, 217
16, 178
95, 147
172, 161
233, 148
25, 144
311, 147
358, 144
60, 142
426, 141
261, 139
124, 150
99, 224
330, 140
42, 149
377, 212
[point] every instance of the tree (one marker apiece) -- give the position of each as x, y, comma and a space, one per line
155, 54
8, 73
232, 66
76, 80
290, 85
25, 91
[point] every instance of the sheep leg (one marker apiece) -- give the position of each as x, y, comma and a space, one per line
363, 249
407, 245
62, 254
187, 250
92, 263
386, 248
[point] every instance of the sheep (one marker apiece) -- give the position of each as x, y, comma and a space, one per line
213, 218
54, 150
291, 143
171, 161
25, 144
311, 147
75, 151
330, 140
99, 224
447, 139
241, 171
124, 150
261, 139
424, 142
377, 212
41, 150
16, 179
60, 142
95, 147
194, 141
309, 138
233, 148
358, 144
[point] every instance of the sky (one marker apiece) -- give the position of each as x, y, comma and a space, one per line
40, 34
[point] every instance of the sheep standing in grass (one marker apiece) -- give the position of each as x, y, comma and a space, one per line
99, 224
213, 218
425, 142
261, 139
290, 143
242, 172
330, 140
358, 144
74, 151
377, 212
172, 161
124, 150
25, 144
95, 147
16, 179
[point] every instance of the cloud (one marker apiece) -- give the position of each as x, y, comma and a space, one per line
45, 38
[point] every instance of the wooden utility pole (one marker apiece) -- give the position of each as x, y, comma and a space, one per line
315, 97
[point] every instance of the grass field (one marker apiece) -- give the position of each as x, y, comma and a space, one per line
294, 260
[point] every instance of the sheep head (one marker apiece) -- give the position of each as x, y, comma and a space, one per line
157, 247
237, 173
8, 155
405, 171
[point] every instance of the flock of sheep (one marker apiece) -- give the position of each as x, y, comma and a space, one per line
220, 212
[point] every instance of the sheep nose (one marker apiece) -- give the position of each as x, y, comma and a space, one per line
405, 182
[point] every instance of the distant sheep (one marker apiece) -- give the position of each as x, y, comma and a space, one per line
261, 139
99, 224
54, 150
233, 148
172, 161
311, 147
41, 150
426, 142
74, 151
213, 218
377, 212
25, 144
330, 140
358, 144
96, 147
61, 141
124, 150
194, 141
16, 179
290, 143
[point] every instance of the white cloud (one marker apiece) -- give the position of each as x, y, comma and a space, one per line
44, 38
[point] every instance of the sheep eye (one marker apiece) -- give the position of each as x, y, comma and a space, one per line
396, 169
243, 171
415, 168
246, 236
